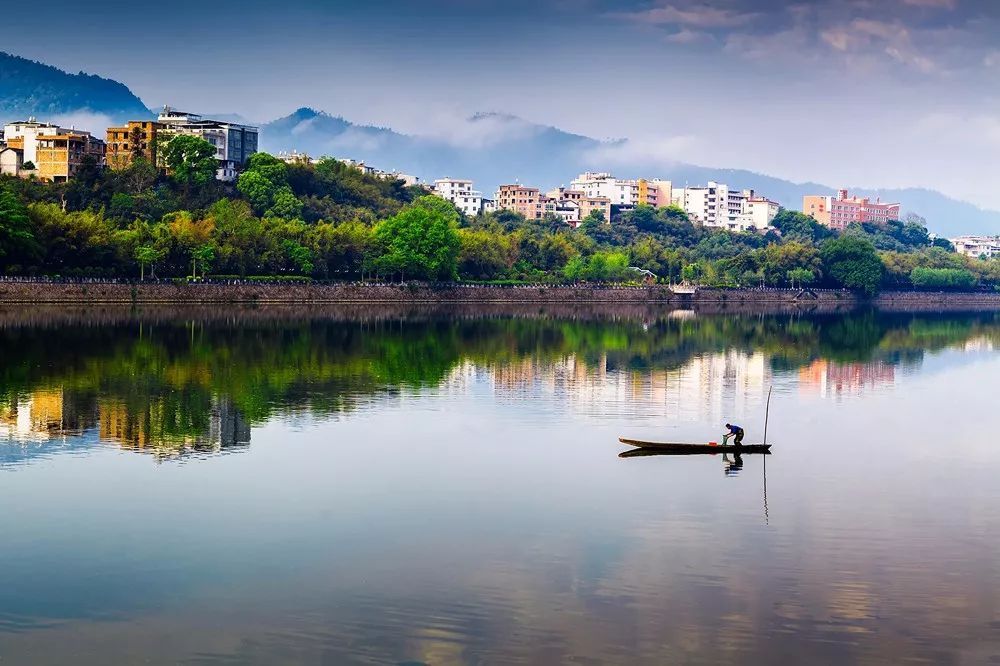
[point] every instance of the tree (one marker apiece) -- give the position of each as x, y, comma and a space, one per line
202, 256
17, 239
799, 226
420, 242
803, 276
28, 166
190, 160
852, 263
147, 254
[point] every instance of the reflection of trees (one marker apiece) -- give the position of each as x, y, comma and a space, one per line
174, 383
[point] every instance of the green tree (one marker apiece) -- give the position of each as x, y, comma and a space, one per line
802, 276
202, 257
17, 239
190, 160
147, 254
852, 262
421, 241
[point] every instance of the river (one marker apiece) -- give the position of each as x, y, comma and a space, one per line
442, 486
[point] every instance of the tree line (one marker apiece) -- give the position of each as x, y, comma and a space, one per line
330, 221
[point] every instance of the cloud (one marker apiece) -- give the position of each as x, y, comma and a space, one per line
934, 4
702, 16
686, 36
655, 150
92, 122
483, 130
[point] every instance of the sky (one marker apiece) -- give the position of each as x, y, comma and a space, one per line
875, 93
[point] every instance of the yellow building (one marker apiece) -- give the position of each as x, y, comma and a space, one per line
136, 139
60, 156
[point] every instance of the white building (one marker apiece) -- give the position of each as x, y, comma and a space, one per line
977, 246
717, 205
603, 185
24, 134
758, 212
234, 143
460, 193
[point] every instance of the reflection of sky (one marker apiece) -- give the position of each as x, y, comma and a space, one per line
489, 520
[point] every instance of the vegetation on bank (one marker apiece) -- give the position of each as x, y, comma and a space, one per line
329, 221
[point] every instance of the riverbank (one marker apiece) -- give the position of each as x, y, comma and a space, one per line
279, 293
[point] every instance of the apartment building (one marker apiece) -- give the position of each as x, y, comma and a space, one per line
524, 200
977, 246
460, 193
138, 138
23, 135
59, 156
842, 210
622, 193
706, 204
758, 212
585, 204
234, 143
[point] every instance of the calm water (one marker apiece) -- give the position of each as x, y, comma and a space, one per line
444, 487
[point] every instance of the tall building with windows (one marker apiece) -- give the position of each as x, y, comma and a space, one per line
842, 210
138, 138
524, 200
460, 193
623, 193
59, 156
234, 143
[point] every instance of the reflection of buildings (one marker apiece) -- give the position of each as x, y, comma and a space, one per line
827, 378
158, 427
709, 387
44, 414
155, 424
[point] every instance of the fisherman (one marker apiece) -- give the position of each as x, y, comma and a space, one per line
734, 431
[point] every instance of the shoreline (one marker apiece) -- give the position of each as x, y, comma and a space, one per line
262, 293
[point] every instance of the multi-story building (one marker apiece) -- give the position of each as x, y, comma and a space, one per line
842, 210
234, 143
662, 192
586, 205
977, 246
621, 193
526, 201
23, 135
138, 138
758, 212
59, 156
460, 193
707, 205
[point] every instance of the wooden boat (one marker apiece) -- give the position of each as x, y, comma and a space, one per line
676, 448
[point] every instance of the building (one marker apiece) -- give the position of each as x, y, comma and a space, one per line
11, 161
136, 139
707, 205
460, 193
59, 156
581, 202
23, 136
234, 143
977, 246
295, 157
621, 193
526, 201
758, 212
842, 210
663, 189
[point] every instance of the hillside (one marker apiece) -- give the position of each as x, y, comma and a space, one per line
548, 157
29, 88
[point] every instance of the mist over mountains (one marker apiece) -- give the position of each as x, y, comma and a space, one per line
489, 148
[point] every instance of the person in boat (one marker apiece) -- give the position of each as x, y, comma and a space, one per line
735, 432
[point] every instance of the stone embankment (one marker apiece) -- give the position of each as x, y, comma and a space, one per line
292, 293
101, 291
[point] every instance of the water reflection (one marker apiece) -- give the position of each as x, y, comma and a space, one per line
435, 486
175, 388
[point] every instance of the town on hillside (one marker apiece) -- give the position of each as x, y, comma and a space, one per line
34, 149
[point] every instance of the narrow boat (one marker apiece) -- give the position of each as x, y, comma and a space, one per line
677, 448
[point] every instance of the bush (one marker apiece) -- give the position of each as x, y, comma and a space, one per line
942, 278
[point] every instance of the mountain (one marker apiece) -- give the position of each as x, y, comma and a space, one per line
29, 88
492, 149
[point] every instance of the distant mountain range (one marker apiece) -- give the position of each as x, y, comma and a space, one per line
29, 88
489, 148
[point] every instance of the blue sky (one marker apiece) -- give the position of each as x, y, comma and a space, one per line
855, 92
